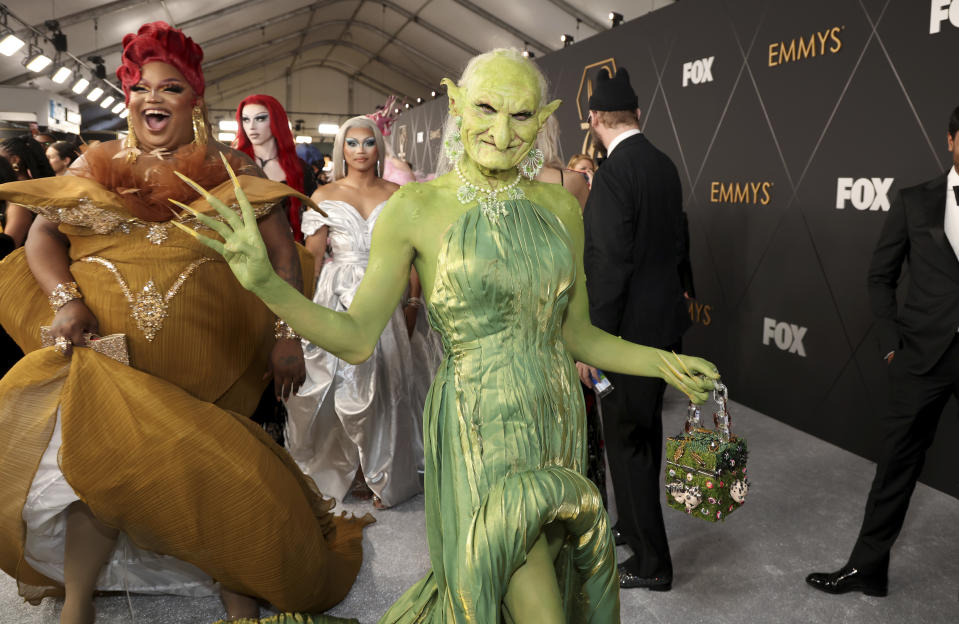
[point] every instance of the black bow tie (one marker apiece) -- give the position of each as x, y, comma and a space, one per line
955, 190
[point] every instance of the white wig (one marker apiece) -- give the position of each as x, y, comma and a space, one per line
339, 163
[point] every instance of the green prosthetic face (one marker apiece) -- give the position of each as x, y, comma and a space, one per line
501, 113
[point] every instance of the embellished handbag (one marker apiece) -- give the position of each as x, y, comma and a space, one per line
113, 346
706, 469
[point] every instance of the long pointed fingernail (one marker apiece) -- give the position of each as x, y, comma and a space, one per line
229, 168
681, 363
194, 185
671, 367
189, 231
184, 207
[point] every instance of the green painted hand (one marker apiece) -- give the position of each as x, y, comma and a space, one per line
692, 376
242, 247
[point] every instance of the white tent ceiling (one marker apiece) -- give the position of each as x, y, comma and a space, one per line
326, 57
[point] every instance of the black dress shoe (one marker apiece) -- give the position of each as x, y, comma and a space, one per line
628, 578
848, 579
618, 537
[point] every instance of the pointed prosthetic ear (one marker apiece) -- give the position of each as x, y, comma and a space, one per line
455, 95
544, 113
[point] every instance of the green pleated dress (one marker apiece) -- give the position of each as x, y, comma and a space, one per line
504, 427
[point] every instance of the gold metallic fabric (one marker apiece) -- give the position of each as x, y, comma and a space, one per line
163, 450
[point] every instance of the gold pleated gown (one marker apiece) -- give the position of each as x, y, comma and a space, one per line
162, 449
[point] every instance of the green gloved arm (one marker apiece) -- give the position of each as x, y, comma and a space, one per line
691, 375
349, 335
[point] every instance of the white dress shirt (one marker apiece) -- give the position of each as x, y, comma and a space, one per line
619, 139
951, 224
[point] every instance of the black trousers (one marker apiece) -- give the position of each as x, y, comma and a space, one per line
633, 431
909, 426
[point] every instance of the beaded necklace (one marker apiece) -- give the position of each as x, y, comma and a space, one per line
492, 207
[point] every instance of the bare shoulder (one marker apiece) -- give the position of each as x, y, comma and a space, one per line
560, 202
327, 192
390, 187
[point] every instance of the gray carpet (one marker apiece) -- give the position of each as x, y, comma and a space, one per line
748, 569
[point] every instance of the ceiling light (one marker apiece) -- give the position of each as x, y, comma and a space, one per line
39, 62
124, 113
328, 129
223, 137
433, 94
107, 101
62, 74
80, 85
10, 45
407, 105
615, 19
119, 107
303, 139
567, 40
94, 95
228, 125
419, 100
396, 111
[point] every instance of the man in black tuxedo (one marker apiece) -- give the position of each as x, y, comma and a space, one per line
634, 256
921, 348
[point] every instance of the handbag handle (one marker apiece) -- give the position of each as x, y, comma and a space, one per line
721, 419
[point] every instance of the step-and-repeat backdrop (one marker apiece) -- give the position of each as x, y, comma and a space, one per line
793, 125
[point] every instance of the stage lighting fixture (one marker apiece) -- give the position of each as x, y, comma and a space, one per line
223, 137
94, 95
10, 45
302, 138
118, 108
124, 113
228, 125
107, 102
615, 19
61, 75
99, 69
58, 38
328, 129
38, 61
567, 40
80, 85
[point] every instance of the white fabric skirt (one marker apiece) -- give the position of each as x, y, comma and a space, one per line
130, 568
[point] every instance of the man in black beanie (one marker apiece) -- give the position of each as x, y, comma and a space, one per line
636, 264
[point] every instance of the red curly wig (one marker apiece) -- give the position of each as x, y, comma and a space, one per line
158, 41
286, 151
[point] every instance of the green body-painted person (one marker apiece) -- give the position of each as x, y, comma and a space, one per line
516, 532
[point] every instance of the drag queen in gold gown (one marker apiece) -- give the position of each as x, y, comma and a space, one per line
149, 477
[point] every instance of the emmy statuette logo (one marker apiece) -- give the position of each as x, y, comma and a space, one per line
800, 48
863, 193
786, 336
941, 11
698, 72
583, 94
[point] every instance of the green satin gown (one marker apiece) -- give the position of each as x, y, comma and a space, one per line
504, 427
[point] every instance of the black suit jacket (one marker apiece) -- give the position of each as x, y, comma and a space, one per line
921, 331
636, 246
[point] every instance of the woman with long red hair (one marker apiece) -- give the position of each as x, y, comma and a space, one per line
263, 133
